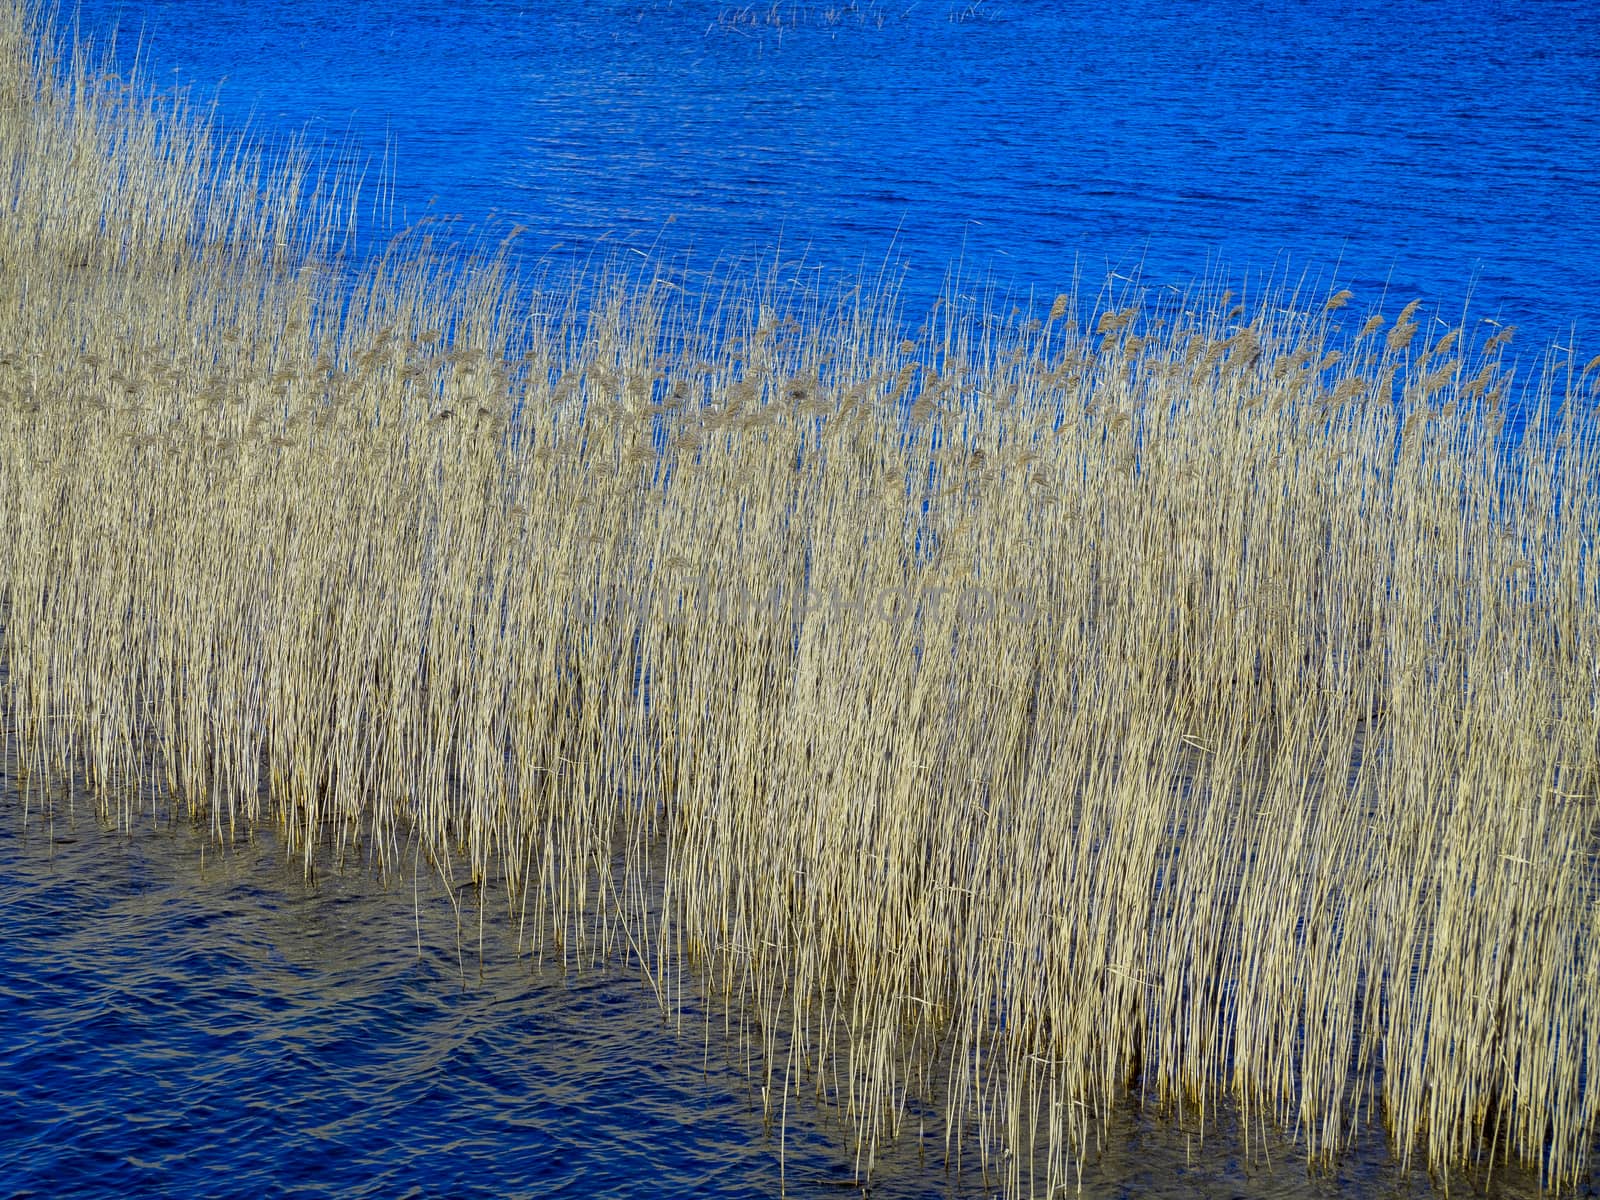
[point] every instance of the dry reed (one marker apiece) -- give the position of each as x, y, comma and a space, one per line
1011, 719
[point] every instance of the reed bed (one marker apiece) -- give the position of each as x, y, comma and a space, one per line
1193, 703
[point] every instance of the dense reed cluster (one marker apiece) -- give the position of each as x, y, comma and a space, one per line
1193, 702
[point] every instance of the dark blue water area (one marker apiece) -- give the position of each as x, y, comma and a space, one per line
1444, 150
177, 1019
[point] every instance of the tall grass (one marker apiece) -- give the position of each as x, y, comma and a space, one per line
1201, 704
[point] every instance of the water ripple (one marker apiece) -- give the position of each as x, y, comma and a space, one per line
170, 1028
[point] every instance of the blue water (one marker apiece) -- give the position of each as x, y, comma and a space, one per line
176, 1021
172, 1027
1442, 150
180, 1021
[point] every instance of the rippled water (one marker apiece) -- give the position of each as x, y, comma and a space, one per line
1428, 149
175, 1020
178, 1020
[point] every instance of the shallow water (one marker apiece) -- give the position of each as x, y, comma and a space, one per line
177, 1020
172, 1022
1428, 151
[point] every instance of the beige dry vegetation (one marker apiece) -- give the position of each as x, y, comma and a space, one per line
1007, 720
783, 15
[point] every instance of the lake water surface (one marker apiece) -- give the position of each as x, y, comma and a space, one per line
176, 1020
1434, 150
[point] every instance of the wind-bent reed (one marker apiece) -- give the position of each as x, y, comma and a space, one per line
1008, 719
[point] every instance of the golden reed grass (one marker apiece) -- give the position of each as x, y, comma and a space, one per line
1007, 720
